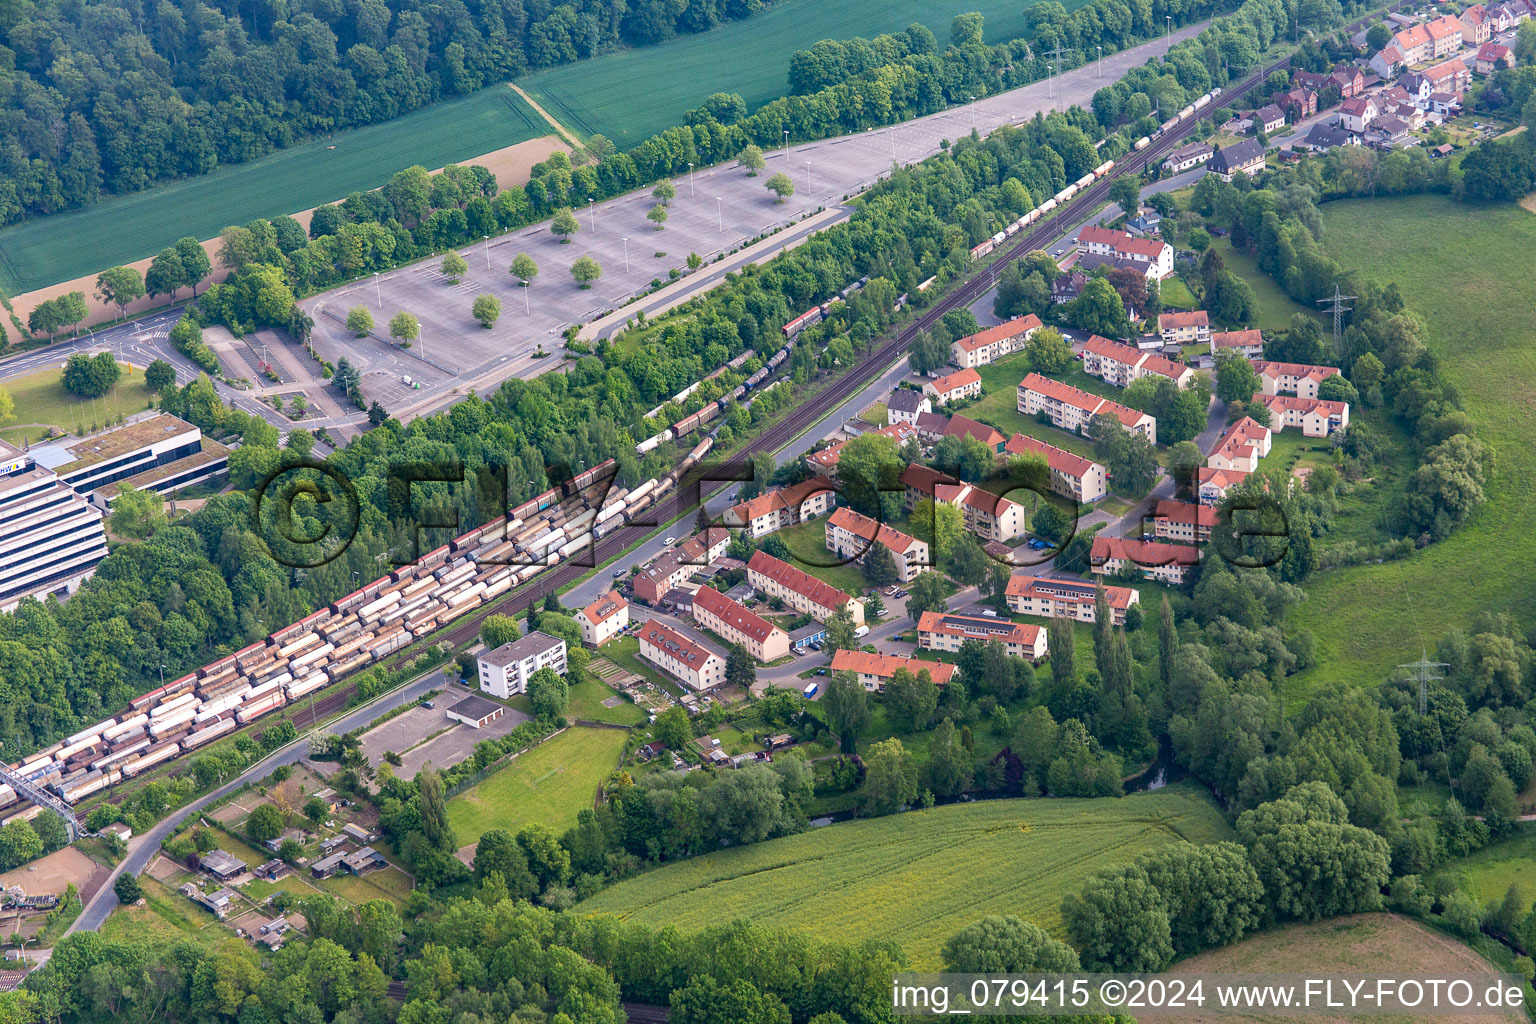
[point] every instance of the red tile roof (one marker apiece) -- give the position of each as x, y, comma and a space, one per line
977, 628
742, 619
1036, 587
802, 583
1061, 461
1310, 371
1121, 241
1091, 404
887, 665
1106, 349
1143, 552
1222, 478
1185, 512
605, 607
1164, 366
964, 426
1011, 329
863, 526
951, 381
1194, 318
1237, 339
659, 635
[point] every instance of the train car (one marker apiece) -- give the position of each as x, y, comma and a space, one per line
126, 725
1084, 181
208, 733
803, 321
1143, 142
307, 685
581, 481
170, 723
150, 758
340, 668
173, 705
1187, 113
1103, 169
248, 713
1203, 102
984, 249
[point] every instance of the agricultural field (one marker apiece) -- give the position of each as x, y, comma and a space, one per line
920, 876
631, 95
548, 785
45, 250
1478, 316
42, 402
1358, 944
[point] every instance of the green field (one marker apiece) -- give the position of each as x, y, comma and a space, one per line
548, 785
1272, 307
1477, 306
631, 95
917, 877
385, 884
808, 543
41, 401
46, 250
587, 702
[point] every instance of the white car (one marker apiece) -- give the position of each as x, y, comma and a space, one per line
670, 541
1058, 252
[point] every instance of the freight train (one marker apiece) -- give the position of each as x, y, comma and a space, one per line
351, 632
1098, 173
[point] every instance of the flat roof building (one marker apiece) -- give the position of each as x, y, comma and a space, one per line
51, 537
476, 712
506, 670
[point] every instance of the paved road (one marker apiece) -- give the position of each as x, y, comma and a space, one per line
142, 848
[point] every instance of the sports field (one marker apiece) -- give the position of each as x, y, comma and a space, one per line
632, 95
40, 252
548, 785
917, 877
1478, 308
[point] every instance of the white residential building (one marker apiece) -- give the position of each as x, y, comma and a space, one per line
506, 670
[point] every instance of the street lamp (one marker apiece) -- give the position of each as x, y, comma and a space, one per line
593, 210
690, 181
719, 216
1168, 18
786, 143
1100, 68
377, 292
626, 255
487, 252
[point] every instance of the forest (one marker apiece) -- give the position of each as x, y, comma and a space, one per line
114, 96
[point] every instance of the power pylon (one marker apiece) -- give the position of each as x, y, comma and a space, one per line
1337, 306
1425, 672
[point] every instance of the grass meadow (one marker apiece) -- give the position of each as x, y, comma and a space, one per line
920, 876
633, 94
45, 250
546, 786
42, 402
1478, 310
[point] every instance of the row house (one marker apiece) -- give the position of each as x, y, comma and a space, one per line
1073, 410
1183, 522
954, 387
1248, 343
776, 510
1187, 157
1211, 485
603, 619
852, 535
1415, 86
1082, 480
941, 631
1299, 379
1241, 446
681, 657
1493, 56
1350, 80
1122, 365
873, 671
1155, 561
738, 624
1476, 25
799, 590
994, 343
986, 515
1510, 13
1072, 599
1315, 417
904, 404
964, 426
1245, 156
1188, 328
673, 567
1154, 253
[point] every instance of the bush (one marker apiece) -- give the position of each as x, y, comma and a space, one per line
127, 888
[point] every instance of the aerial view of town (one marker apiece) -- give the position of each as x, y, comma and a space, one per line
767, 511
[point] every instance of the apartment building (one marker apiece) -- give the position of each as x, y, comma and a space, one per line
1184, 328
994, 343
673, 567
873, 671
603, 619
1243, 157
774, 510
1183, 522
1073, 410
1241, 446
1299, 379
940, 631
689, 662
1122, 365
737, 624
51, 537
1248, 343
1315, 417
1072, 599
506, 670
1153, 253
953, 387
852, 535
799, 590
1155, 561
987, 516
1211, 485
1082, 480
1476, 26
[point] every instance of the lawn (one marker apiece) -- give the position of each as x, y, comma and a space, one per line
998, 405
1272, 307
625, 652
46, 250
1487, 874
1176, 294
385, 884
587, 702
548, 785
633, 94
808, 543
41, 401
920, 876
1478, 315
